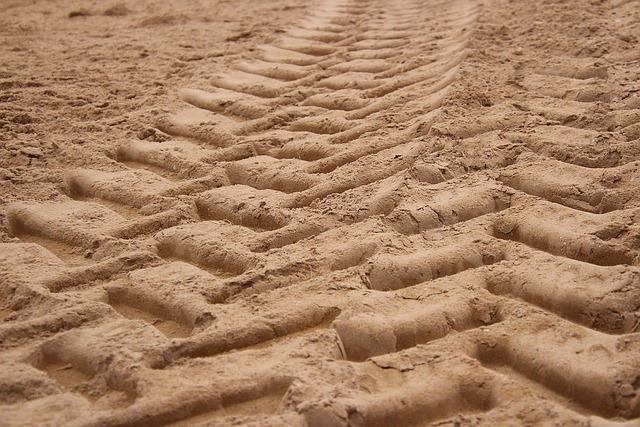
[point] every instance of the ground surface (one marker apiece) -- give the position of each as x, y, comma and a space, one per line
356, 213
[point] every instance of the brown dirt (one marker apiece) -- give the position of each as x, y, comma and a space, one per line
359, 213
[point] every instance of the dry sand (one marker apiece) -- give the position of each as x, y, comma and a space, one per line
301, 213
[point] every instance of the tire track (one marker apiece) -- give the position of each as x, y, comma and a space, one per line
321, 243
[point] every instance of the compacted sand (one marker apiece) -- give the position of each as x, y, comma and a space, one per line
349, 212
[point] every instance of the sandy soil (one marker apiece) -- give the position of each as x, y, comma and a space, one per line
361, 213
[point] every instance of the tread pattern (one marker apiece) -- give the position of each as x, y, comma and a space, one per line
444, 271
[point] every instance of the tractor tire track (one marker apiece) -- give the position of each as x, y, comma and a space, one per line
346, 230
